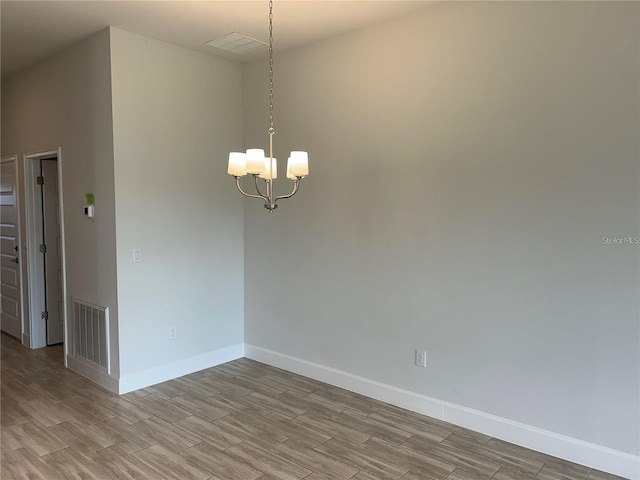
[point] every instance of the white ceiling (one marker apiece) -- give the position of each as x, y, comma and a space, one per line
32, 30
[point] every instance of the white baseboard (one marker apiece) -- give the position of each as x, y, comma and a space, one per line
26, 340
86, 369
152, 376
568, 448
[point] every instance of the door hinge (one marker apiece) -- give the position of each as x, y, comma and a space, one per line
45, 315
43, 248
40, 180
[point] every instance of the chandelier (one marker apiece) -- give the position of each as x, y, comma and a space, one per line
265, 169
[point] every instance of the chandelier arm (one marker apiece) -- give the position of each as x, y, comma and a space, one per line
296, 185
264, 197
248, 194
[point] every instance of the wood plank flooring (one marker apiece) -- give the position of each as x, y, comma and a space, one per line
239, 421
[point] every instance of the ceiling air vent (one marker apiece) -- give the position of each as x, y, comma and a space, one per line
236, 43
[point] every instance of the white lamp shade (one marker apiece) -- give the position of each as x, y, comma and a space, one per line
290, 175
255, 160
270, 174
298, 164
237, 164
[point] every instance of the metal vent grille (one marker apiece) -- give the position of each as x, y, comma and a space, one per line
91, 334
236, 43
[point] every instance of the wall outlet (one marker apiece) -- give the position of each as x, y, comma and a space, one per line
421, 358
173, 333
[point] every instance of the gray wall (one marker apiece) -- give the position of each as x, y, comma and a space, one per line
145, 139
176, 115
65, 101
465, 164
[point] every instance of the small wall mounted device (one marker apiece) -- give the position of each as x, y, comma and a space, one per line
88, 211
89, 208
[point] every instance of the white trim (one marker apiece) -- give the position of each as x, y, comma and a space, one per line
568, 448
63, 259
88, 370
152, 376
26, 339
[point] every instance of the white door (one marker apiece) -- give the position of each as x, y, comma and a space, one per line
52, 254
10, 310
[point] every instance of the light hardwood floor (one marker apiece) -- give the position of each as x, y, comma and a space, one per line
242, 420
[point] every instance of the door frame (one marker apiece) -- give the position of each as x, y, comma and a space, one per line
24, 337
33, 214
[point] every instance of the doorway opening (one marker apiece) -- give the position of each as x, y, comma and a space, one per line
45, 249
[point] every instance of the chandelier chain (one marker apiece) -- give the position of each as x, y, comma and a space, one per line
271, 129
